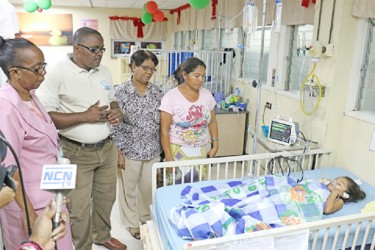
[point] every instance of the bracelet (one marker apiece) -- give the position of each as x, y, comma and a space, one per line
32, 245
214, 139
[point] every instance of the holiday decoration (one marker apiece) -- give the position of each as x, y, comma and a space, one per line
44, 4
146, 18
151, 13
158, 16
32, 5
151, 7
199, 4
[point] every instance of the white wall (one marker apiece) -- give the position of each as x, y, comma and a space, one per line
54, 53
347, 137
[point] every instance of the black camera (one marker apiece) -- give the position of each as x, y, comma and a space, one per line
6, 174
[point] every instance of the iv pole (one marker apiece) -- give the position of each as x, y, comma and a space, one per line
258, 84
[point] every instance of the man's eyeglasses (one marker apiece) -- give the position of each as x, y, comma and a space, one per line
146, 68
93, 49
39, 70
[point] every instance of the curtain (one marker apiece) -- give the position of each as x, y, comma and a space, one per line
229, 14
132, 28
295, 14
364, 8
187, 18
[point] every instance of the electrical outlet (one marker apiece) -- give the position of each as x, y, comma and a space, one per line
268, 105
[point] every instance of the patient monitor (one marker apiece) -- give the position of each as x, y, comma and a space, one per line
283, 132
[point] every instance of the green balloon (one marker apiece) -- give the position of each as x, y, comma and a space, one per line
146, 18
30, 5
144, 9
45, 4
199, 4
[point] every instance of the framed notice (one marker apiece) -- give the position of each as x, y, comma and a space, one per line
121, 48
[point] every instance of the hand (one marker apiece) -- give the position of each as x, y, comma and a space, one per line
43, 227
121, 160
6, 196
96, 113
338, 193
115, 116
212, 152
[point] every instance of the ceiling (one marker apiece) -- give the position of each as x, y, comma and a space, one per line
127, 4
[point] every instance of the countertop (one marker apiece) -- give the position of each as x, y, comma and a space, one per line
224, 111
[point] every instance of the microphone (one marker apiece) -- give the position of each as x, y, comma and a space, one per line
59, 178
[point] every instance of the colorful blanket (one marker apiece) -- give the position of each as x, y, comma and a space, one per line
247, 205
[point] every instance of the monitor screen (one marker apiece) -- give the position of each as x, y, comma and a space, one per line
280, 131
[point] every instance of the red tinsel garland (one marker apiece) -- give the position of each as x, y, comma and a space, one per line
137, 22
187, 6
305, 3
178, 10
214, 3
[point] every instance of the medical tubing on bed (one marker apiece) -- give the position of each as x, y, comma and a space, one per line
277, 159
22, 183
302, 88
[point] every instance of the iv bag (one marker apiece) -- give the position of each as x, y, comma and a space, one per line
250, 17
277, 23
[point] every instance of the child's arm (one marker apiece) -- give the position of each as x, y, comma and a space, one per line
334, 203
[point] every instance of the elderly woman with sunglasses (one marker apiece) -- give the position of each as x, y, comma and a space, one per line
32, 134
138, 139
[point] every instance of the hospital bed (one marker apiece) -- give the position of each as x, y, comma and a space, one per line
345, 229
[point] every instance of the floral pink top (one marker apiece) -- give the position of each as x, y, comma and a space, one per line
190, 120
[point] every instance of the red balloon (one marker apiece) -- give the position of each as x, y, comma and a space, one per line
151, 7
158, 16
40, 9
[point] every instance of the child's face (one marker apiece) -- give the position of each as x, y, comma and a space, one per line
339, 183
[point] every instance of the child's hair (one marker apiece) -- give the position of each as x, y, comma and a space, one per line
354, 191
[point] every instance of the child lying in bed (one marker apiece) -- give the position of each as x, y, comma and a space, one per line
343, 189
248, 205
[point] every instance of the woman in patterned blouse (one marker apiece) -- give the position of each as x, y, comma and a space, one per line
138, 139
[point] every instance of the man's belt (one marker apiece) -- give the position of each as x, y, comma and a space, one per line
97, 145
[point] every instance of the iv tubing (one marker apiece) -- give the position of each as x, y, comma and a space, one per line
314, 76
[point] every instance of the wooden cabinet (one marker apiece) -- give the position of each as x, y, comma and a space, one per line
232, 129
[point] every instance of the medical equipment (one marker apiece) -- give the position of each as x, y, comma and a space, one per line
277, 22
250, 17
283, 132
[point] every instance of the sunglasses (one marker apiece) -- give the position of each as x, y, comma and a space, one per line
93, 49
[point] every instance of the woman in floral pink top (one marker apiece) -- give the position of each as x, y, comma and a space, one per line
188, 119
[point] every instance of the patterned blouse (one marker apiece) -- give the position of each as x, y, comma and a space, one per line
138, 136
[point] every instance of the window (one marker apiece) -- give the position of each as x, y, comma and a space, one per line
366, 92
229, 38
178, 40
298, 59
252, 55
209, 39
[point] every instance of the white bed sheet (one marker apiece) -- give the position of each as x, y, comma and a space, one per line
167, 197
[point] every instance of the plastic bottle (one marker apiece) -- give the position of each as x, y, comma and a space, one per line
237, 91
237, 95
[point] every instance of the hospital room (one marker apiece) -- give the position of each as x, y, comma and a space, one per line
275, 149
